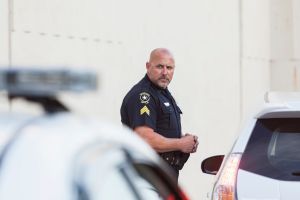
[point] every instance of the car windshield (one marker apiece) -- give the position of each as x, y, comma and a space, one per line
274, 149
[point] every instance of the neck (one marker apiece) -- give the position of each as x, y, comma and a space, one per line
155, 85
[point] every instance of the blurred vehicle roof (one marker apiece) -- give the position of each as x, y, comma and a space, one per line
61, 155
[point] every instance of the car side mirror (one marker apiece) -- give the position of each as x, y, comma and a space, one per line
211, 165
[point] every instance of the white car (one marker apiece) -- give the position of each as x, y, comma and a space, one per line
61, 156
264, 162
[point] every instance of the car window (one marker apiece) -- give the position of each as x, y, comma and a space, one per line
110, 172
274, 149
284, 150
115, 186
142, 187
158, 181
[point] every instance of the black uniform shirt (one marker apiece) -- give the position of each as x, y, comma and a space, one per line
148, 105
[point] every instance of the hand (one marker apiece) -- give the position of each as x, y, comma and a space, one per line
189, 143
195, 147
196, 144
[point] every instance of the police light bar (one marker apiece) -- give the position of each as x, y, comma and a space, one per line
46, 82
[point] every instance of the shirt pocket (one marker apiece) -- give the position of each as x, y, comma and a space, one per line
179, 115
164, 121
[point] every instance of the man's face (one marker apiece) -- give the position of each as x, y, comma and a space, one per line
160, 69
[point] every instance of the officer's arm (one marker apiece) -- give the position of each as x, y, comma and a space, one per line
162, 144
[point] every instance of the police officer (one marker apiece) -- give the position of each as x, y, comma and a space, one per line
151, 111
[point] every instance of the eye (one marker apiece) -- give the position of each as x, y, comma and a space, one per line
170, 67
159, 66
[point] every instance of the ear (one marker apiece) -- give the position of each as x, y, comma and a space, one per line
147, 65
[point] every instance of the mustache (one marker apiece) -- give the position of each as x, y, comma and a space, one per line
164, 78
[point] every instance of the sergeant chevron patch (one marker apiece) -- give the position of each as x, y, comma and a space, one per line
145, 110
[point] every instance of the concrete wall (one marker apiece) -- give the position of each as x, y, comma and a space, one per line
227, 56
4, 40
255, 54
285, 48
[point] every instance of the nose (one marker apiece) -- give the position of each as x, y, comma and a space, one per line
164, 70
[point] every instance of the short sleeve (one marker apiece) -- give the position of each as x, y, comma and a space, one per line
141, 110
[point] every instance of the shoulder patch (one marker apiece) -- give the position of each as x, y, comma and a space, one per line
144, 97
145, 110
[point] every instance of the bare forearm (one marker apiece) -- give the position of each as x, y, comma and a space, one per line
162, 144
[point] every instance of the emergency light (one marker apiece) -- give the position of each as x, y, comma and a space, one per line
46, 82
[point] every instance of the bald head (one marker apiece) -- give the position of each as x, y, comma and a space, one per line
159, 52
160, 67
